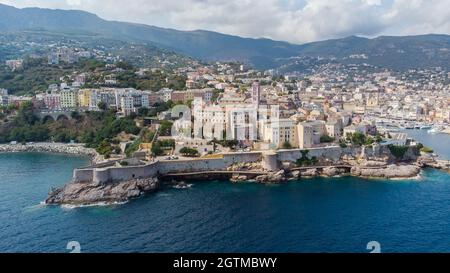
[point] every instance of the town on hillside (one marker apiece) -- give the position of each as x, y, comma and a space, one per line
125, 111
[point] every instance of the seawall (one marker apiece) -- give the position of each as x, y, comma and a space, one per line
102, 175
108, 173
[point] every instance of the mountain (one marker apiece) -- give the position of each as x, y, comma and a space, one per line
199, 44
391, 52
397, 53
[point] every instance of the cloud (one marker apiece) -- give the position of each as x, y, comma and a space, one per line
297, 21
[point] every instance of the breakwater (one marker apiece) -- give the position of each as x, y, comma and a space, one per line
46, 147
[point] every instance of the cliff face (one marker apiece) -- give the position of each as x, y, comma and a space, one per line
90, 193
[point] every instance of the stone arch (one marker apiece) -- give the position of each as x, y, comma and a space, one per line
48, 118
62, 117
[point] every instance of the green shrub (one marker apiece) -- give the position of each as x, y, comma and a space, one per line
398, 151
186, 151
287, 146
326, 139
427, 150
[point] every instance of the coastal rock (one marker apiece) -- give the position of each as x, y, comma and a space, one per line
374, 163
288, 165
89, 193
331, 171
355, 171
238, 178
295, 174
272, 177
262, 178
428, 160
309, 173
389, 172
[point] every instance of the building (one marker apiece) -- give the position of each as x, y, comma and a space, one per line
209, 120
19, 101
305, 135
127, 105
256, 93
178, 96
154, 97
63, 54
205, 94
191, 84
107, 96
84, 98
4, 98
52, 102
69, 99
352, 129
279, 132
309, 133
334, 128
53, 58
242, 123
166, 94
110, 80
14, 65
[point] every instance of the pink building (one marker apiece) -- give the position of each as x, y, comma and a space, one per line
52, 102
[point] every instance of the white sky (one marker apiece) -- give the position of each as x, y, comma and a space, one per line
296, 21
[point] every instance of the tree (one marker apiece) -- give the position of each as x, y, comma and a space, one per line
398, 151
124, 65
75, 115
379, 139
134, 147
102, 106
157, 150
105, 148
358, 138
304, 159
190, 152
143, 112
166, 128
326, 139
287, 146
25, 115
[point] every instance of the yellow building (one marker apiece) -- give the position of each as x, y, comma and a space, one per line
84, 98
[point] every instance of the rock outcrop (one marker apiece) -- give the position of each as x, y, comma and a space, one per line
310, 173
89, 193
389, 172
238, 178
272, 177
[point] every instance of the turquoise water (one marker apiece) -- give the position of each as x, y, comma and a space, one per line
318, 215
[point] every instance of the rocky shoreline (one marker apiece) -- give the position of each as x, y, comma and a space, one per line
393, 172
57, 148
365, 170
383, 166
81, 194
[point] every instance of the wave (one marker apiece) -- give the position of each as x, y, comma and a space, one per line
35, 207
99, 204
182, 187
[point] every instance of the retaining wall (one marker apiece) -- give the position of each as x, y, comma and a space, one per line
116, 174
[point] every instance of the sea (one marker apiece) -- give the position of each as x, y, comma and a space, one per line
317, 215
